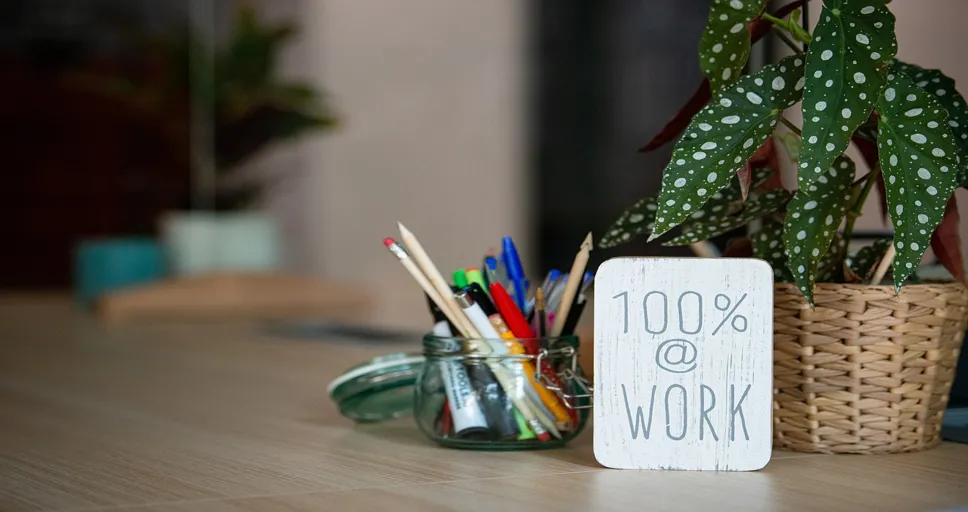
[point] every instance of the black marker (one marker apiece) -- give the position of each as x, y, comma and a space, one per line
481, 298
496, 405
574, 314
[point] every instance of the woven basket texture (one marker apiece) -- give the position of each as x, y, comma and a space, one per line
865, 371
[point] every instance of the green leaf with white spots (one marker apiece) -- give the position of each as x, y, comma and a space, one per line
846, 69
761, 176
768, 245
633, 222
711, 226
723, 137
725, 43
864, 262
933, 81
638, 218
812, 221
919, 161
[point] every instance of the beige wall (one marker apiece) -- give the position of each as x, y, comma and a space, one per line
432, 93
433, 96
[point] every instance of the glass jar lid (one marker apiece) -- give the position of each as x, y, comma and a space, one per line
379, 389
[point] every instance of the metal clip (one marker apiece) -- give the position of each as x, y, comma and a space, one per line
566, 375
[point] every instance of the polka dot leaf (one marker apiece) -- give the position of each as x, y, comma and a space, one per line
846, 69
633, 222
723, 137
935, 82
725, 43
638, 219
918, 157
712, 225
768, 246
812, 221
760, 177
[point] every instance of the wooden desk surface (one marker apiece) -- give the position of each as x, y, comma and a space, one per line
220, 417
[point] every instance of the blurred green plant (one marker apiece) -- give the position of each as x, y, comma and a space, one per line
235, 85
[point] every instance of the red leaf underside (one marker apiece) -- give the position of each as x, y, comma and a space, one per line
868, 150
946, 242
739, 248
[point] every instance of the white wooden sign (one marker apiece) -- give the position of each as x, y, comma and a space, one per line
684, 363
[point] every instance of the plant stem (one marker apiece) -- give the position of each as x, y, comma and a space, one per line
772, 19
786, 39
858, 206
792, 127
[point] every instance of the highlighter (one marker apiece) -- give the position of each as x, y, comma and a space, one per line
460, 278
474, 275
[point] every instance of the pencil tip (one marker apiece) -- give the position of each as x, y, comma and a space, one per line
588, 240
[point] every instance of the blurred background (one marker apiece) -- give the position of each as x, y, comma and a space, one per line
168, 141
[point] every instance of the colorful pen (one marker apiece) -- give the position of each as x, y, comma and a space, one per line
481, 298
574, 315
515, 272
550, 281
480, 321
465, 414
586, 282
523, 332
542, 316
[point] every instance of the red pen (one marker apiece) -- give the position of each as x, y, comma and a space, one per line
513, 317
520, 329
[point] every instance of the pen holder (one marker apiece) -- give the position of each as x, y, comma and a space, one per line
501, 394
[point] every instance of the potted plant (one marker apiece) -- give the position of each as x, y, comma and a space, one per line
860, 367
215, 108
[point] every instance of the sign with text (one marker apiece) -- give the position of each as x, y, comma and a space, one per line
684, 363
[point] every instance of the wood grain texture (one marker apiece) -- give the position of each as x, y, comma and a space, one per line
177, 417
683, 363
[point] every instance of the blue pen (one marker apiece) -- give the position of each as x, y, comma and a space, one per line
512, 264
490, 270
586, 282
549, 281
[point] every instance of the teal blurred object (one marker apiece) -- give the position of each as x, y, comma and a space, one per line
102, 266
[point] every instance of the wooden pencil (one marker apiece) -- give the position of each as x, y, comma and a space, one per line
884, 264
426, 265
424, 283
540, 309
571, 287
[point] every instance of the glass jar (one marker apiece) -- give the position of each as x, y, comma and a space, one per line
458, 391
523, 394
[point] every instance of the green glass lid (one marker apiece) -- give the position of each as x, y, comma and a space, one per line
379, 389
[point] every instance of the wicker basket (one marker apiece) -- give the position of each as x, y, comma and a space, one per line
865, 371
